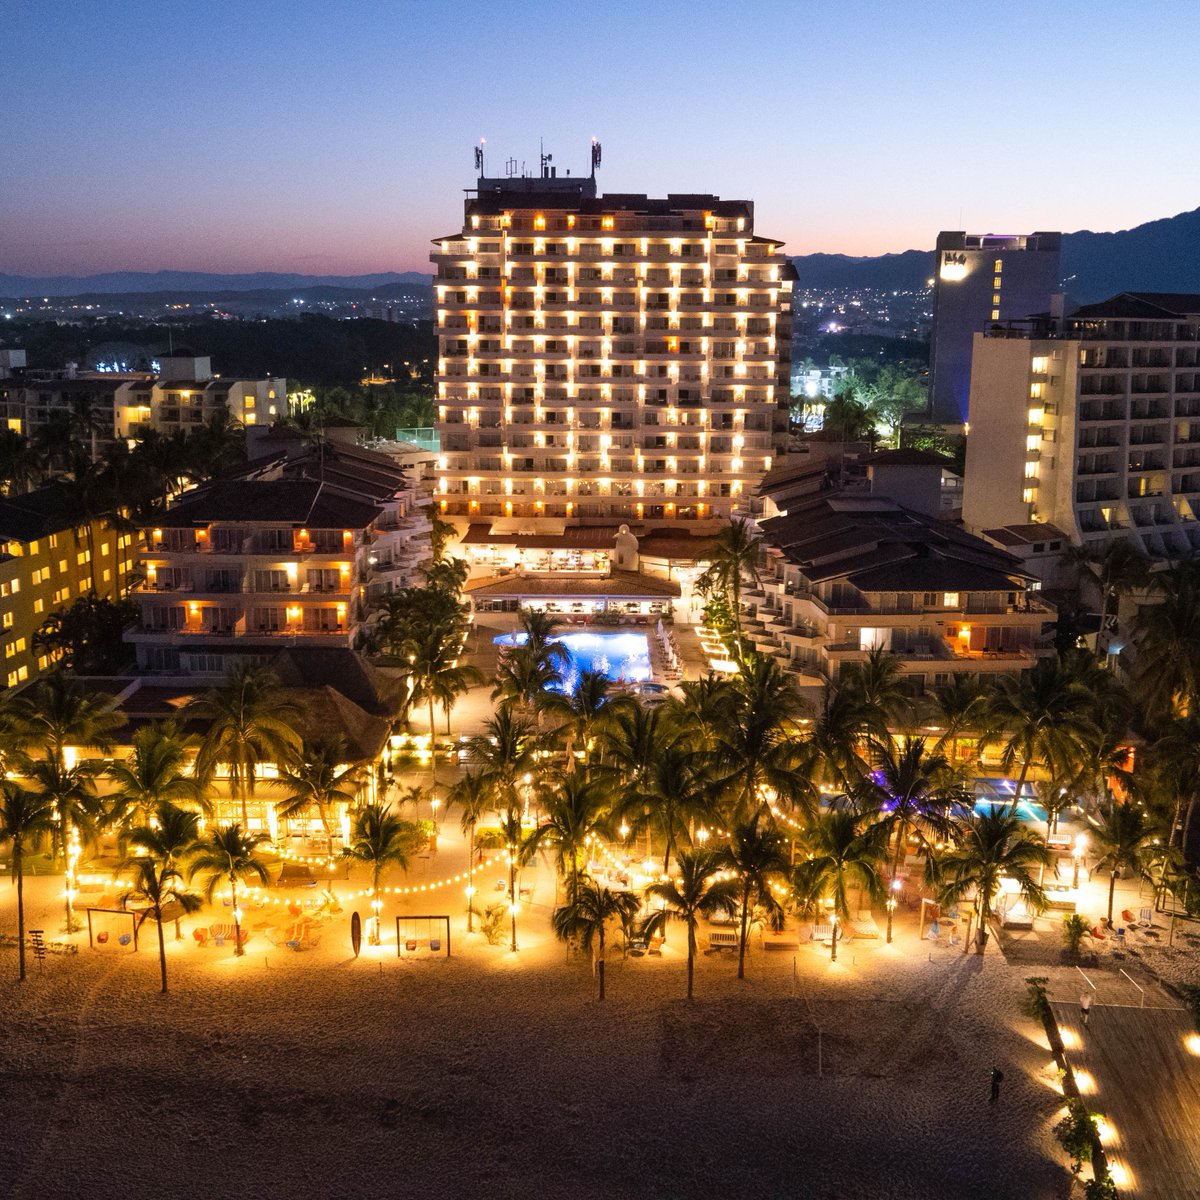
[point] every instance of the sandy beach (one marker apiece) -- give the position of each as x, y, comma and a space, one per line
499, 1075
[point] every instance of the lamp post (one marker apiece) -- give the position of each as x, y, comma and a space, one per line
1079, 850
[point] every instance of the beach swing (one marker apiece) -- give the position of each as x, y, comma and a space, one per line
423, 932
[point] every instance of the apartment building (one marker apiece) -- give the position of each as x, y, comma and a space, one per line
605, 360
1090, 424
104, 406
47, 562
294, 551
849, 572
982, 279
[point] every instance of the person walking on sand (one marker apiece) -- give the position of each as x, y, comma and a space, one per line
1085, 1004
997, 1079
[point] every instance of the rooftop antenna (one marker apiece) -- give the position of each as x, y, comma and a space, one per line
595, 156
546, 159
479, 156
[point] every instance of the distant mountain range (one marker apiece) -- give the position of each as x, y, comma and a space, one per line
1160, 256
176, 282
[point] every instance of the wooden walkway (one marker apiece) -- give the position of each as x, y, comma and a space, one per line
1140, 1069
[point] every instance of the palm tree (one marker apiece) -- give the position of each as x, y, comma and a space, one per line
915, 793
756, 854
319, 778
524, 676
582, 711
878, 681
24, 817
757, 750
961, 708
380, 839
831, 749
698, 891
158, 882
229, 854
153, 774
988, 848
473, 795
1116, 567
680, 792
1129, 840
1166, 637
575, 808
249, 724
438, 678
504, 752
734, 555
71, 792
586, 915
59, 712
1041, 715
845, 854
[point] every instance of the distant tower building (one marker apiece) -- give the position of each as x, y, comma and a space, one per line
982, 279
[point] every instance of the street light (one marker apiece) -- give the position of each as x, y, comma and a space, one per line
1080, 849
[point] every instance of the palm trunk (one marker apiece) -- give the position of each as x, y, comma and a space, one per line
66, 842
238, 948
377, 909
19, 871
162, 949
1012, 811
600, 961
691, 955
512, 894
471, 880
981, 932
833, 940
742, 939
1112, 887
432, 744
891, 883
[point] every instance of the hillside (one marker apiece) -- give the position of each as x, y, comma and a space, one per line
1160, 256
175, 282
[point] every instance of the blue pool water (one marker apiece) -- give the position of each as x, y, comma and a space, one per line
623, 657
991, 794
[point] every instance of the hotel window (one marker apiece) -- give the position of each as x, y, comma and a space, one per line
995, 314
949, 599
8, 620
996, 282
998, 266
996, 299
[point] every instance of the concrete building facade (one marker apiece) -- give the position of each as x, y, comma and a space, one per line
606, 359
1091, 424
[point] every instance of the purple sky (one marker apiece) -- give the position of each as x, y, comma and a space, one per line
336, 138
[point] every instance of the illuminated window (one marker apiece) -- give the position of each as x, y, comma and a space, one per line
996, 282
607, 223
1029, 495
995, 314
949, 599
998, 266
539, 222
996, 299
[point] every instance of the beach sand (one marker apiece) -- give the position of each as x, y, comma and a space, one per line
499, 1075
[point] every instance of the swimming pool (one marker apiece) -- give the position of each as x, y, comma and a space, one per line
623, 657
993, 794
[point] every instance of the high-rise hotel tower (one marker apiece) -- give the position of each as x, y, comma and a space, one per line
606, 360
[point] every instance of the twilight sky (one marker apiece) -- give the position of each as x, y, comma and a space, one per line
335, 137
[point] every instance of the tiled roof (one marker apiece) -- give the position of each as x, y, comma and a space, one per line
304, 503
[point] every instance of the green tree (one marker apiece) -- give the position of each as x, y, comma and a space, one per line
158, 882
988, 848
154, 773
698, 891
734, 557
756, 854
1115, 567
87, 636
229, 855
1128, 839
60, 712
25, 817
320, 778
961, 709
1166, 638
249, 725
474, 797
381, 839
916, 794
845, 853
1042, 715
575, 808
878, 682
585, 917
